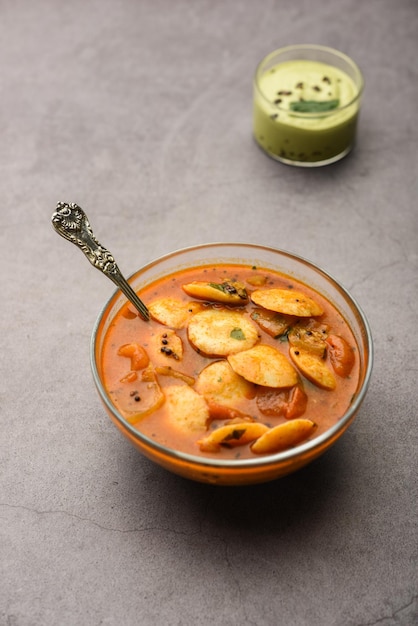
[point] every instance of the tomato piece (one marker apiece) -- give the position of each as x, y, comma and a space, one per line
289, 403
222, 412
341, 355
274, 324
137, 354
298, 401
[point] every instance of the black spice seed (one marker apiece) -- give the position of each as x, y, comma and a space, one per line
164, 342
299, 86
297, 352
316, 88
326, 80
229, 288
165, 335
283, 92
277, 101
133, 393
137, 399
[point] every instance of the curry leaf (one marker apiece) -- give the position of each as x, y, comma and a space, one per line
314, 106
218, 286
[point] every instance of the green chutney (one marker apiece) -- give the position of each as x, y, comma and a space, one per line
305, 112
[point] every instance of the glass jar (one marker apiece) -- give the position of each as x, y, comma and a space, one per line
306, 105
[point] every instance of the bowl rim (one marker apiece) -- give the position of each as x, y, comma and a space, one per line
248, 463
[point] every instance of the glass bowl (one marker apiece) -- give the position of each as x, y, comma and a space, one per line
306, 105
252, 470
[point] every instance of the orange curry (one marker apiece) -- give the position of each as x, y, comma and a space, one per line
235, 362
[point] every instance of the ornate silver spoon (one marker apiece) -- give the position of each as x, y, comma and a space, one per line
70, 221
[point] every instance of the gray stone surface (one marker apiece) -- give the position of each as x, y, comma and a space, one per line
141, 113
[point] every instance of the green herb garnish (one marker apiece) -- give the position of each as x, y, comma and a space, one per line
236, 333
230, 289
313, 106
218, 286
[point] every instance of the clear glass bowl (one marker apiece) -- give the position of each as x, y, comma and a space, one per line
244, 471
298, 135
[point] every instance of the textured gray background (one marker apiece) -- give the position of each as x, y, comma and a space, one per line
141, 113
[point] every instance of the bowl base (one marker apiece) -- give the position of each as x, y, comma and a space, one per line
296, 163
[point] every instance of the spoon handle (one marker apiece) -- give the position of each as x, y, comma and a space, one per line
70, 221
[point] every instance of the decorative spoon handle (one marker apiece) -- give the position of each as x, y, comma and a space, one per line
70, 221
